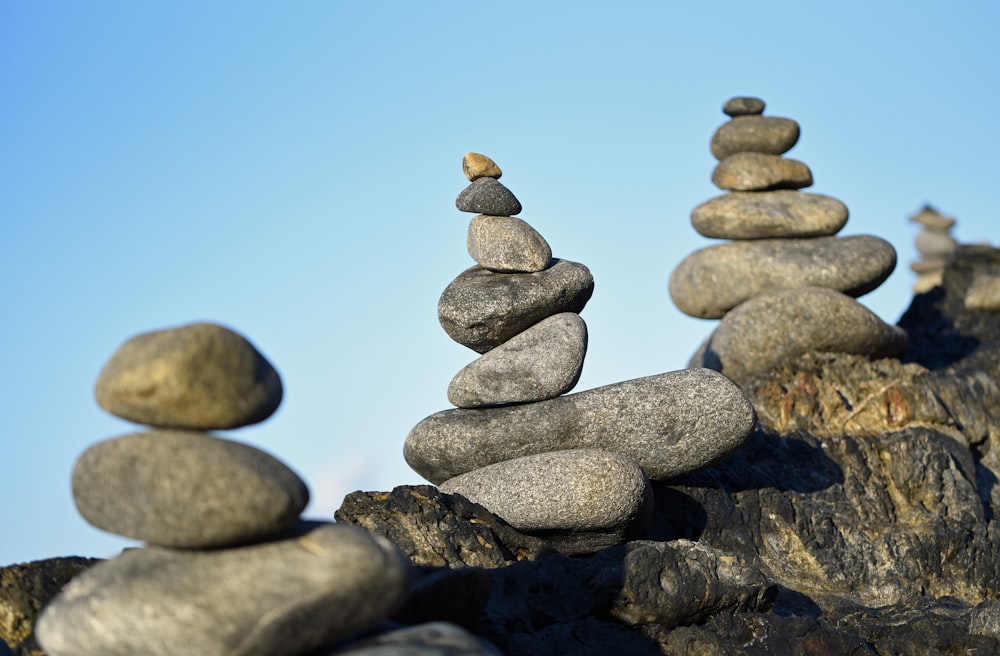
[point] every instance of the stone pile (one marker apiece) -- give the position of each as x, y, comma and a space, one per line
575, 468
935, 245
783, 283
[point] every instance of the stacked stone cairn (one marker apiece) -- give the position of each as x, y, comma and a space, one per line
784, 283
935, 245
228, 566
571, 468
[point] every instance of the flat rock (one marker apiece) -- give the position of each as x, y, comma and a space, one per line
580, 500
743, 106
669, 424
482, 309
506, 244
540, 363
775, 214
931, 219
321, 584
487, 196
758, 134
984, 293
200, 376
477, 166
760, 172
710, 282
430, 639
186, 489
935, 244
771, 328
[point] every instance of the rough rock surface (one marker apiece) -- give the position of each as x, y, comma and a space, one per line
760, 172
769, 215
506, 244
759, 134
485, 195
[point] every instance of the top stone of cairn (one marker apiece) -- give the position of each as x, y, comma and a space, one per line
478, 166
743, 106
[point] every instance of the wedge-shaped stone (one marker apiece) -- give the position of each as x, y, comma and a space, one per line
186, 489
580, 500
760, 172
482, 309
670, 424
711, 281
324, 583
758, 134
476, 166
768, 215
506, 244
540, 363
487, 196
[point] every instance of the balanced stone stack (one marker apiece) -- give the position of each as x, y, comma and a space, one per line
935, 245
575, 468
228, 566
784, 283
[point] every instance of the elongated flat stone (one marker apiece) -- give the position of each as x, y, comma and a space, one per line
487, 196
282, 597
772, 328
506, 244
540, 363
932, 220
186, 489
482, 309
760, 172
201, 376
775, 214
580, 500
743, 106
758, 134
670, 424
710, 282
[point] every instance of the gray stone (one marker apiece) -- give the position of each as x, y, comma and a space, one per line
711, 281
482, 309
430, 639
321, 584
932, 220
935, 244
200, 376
743, 105
506, 244
540, 363
488, 196
186, 489
768, 215
769, 329
580, 500
758, 134
669, 424
984, 293
760, 172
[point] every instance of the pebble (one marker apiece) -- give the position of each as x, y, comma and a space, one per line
477, 166
983, 293
200, 376
482, 309
282, 597
932, 220
670, 424
778, 326
782, 213
760, 172
743, 105
759, 134
711, 281
580, 500
186, 489
506, 244
487, 196
935, 244
540, 363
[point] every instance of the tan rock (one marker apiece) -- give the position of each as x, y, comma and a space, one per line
478, 166
759, 172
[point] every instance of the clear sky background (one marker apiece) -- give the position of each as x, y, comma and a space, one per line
289, 169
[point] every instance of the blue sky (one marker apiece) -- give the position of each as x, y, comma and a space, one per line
290, 170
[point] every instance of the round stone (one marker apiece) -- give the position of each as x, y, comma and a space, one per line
759, 134
769, 215
760, 172
477, 166
506, 244
743, 105
935, 244
487, 196
201, 376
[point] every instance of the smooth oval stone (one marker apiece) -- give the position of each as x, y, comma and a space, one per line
758, 134
743, 105
773, 328
769, 215
933, 220
670, 424
935, 244
506, 244
760, 172
487, 196
201, 376
540, 363
186, 489
580, 500
282, 597
710, 282
482, 309
477, 166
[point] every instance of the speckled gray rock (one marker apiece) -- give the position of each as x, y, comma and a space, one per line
758, 134
580, 500
935, 244
482, 309
781, 213
186, 489
669, 424
429, 639
775, 327
283, 597
200, 376
760, 172
506, 244
743, 106
488, 196
711, 281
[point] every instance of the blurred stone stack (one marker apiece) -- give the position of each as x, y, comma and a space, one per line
784, 283
935, 245
571, 468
